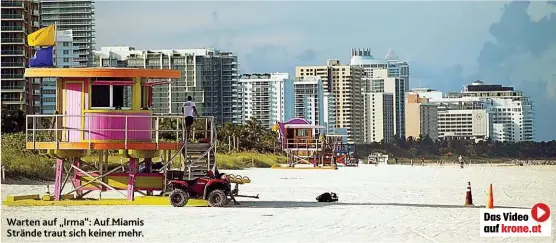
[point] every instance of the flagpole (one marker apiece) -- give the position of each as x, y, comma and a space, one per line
55, 43
55, 65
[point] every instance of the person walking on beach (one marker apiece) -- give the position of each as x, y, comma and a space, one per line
460, 161
189, 109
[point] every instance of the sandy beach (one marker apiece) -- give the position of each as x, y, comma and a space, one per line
387, 203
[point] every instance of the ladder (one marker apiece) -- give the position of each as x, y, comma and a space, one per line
198, 157
194, 166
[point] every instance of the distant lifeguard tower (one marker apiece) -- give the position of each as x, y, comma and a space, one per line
108, 109
343, 152
304, 146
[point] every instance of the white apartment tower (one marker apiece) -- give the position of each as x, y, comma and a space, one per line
267, 97
75, 15
379, 117
344, 82
512, 111
209, 75
388, 75
313, 103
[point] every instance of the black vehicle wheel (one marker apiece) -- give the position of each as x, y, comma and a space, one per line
217, 198
178, 198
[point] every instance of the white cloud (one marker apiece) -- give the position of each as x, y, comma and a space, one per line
537, 10
437, 33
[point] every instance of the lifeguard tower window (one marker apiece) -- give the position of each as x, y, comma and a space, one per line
301, 133
110, 96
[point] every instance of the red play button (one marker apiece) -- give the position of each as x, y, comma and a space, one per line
540, 212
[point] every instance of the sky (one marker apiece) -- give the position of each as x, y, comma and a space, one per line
447, 44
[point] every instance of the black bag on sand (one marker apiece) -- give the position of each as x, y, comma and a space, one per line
327, 197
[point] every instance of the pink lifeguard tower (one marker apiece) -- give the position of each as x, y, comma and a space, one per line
104, 109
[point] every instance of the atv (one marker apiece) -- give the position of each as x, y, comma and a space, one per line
217, 190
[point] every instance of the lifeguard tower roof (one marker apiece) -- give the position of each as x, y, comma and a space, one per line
100, 72
303, 126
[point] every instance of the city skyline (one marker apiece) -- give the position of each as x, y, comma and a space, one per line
443, 55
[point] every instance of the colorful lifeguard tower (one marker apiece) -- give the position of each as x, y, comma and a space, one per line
304, 146
109, 109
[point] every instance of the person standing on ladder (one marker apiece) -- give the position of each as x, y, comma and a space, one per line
189, 109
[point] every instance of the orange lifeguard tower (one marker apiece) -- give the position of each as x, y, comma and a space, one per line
103, 109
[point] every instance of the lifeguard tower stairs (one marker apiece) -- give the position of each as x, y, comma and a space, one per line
198, 157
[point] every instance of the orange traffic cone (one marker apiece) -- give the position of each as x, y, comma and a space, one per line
468, 196
490, 199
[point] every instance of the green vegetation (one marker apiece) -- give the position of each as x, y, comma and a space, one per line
20, 162
449, 150
248, 159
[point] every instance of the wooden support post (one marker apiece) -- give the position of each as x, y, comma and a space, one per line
148, 169
58, 180
131, 180
169, 154
103, 153
164, 171
76, 177
99, 158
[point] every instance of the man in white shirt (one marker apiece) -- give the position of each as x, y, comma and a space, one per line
188, 111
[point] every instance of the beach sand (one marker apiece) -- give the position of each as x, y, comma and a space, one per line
386, 203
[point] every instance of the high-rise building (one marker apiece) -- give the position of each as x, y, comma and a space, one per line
512, 111
344, 82
267, 97
379, 117
388, 75
463, 118
19, 19
431, 94
314, 104
75, 15
209, 75
64, 58
421, 117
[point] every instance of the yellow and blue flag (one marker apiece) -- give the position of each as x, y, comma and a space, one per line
43, 37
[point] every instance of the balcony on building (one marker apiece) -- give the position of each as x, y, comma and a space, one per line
8, 52
12, 41
12, 88
12, 17
12, 28
9, 65
6, 4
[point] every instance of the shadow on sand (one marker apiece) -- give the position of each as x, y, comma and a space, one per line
293, 204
